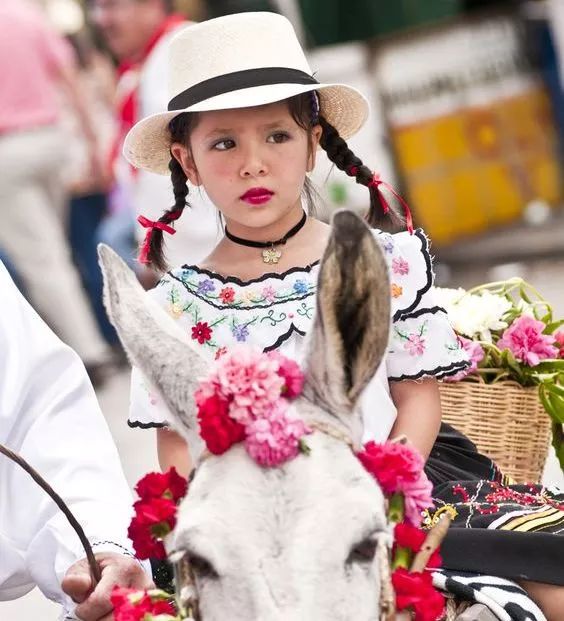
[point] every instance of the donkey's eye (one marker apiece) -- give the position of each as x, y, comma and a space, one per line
201, 567
363, 552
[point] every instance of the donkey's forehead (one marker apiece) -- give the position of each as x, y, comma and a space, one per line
232, 493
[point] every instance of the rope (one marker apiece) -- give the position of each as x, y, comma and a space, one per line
92, 563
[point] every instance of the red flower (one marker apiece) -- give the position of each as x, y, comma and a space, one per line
412, 538
133, 605
218, 430
129, 604
153, 519
227, 295
292, 375
158, 485
391, 464
415, 591
201, 332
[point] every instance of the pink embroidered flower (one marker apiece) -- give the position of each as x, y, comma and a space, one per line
274, 440
290, 371
559, 339
201, 332
400, 266
525, 340
269, 293
415, 345
475, 354
227, 295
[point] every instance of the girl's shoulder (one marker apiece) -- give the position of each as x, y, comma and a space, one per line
410, 268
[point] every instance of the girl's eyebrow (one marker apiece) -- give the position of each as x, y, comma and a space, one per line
224, 131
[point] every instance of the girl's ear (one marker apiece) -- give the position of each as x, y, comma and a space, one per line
182, 154
313, 145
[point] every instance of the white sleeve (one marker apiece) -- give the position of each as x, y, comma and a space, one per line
422, 341
50, 416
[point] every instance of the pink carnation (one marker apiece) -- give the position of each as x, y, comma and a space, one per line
559, 339
274, 440
525, 340
399, 468
290, 371
475, 355
248, 379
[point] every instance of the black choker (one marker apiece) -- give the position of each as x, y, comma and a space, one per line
270, 254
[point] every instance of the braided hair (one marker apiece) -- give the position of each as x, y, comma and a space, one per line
380, 214
179, 127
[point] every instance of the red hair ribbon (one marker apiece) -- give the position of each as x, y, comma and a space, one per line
376, 182
150, 225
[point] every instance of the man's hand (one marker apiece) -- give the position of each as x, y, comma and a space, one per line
95, 605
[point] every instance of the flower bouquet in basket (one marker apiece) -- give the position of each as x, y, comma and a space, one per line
512, 338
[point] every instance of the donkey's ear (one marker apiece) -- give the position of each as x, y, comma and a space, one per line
153, 342
350, 334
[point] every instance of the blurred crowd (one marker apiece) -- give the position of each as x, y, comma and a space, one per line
66, 104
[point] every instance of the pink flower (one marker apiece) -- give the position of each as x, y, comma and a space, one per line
559, 338
290, 371
274, 440
525, 340
269, 293
248, 379
400, 266
398, 468
475, 354
415, 345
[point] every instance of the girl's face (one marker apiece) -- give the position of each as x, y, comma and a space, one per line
252, 162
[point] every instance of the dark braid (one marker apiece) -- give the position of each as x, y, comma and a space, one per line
339, 153
179, 130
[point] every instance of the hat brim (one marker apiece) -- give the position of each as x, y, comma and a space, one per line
147, 145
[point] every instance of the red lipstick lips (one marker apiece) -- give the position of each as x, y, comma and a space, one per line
257, 196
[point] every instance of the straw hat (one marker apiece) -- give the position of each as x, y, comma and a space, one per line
237, 61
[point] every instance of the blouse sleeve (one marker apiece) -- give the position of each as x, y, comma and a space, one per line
147, 408
422, 341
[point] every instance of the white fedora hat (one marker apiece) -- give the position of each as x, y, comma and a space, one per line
237, 61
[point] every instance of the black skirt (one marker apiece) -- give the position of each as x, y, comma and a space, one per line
498, 528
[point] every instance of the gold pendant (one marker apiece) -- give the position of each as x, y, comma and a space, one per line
271, 255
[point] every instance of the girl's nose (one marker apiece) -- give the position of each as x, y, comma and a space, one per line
253, 165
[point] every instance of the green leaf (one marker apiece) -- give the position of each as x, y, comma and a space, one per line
552, 327
553, 401
558, 443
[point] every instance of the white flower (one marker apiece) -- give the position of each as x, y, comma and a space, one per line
447, 297
476, 315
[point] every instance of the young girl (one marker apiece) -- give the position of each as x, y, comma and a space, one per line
245, 121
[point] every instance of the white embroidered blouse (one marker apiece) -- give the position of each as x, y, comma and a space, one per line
276, 310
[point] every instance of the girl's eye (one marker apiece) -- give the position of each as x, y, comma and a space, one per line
278, 137
224, 145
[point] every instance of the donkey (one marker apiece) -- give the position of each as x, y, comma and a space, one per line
299, 542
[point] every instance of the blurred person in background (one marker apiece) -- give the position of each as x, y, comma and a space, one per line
36, 64
138, 32
89, 193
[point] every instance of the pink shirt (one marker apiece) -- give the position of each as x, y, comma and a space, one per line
31, 58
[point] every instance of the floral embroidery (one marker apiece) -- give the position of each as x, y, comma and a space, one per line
414, 343
206, 286
269, 294
220, 352
388, 243
396, 290
301, 286
240, 332
201, 332
400, 266
227, 295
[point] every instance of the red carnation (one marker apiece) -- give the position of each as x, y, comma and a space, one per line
201, 332
134, 605
391, 464
291, 373
412, 538
153, 520
415, 591
158, 485
218, 430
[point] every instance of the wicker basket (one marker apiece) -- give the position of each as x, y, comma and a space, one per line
506, 422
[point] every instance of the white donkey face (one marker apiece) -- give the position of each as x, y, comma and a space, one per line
295, 542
